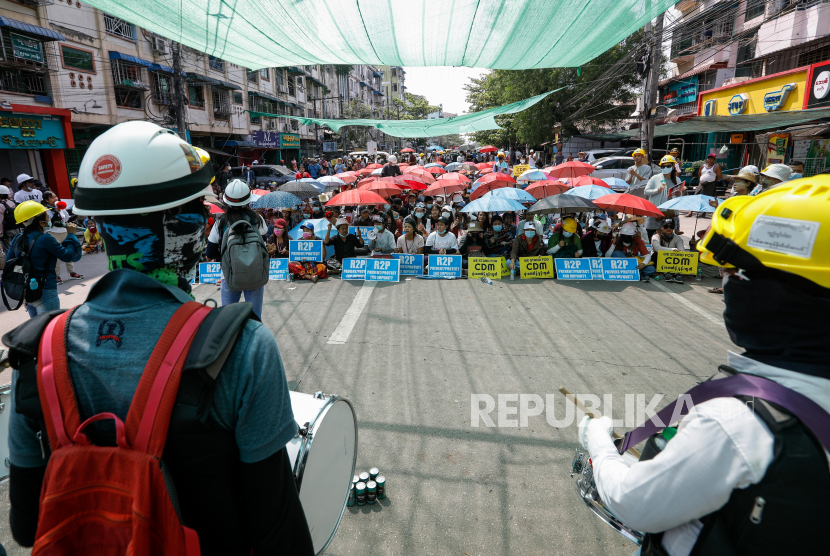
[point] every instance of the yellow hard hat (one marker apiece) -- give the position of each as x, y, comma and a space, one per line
785, 228
639, 151
26, 210
668, 159
501, 153
203, 154
569, 225
73, 182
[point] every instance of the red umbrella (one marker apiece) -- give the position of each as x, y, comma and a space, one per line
348, 177
497, 176
354, 197
486, 171
488, 149
214, 209
383, 189
628, 204
436, 170
412, 184
546, 188
374, 166
364, 172
395, 180
454, 176
488, 186
588, 180
260, 192
483, 165
418, 173
407, 150
444, 187
570, 170
366, 181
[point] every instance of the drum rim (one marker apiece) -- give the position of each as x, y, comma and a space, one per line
305, 448
602, 512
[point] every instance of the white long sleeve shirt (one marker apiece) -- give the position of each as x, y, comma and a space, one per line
719, 447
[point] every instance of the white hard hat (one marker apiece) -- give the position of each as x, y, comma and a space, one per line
5, 190
778, 171
602, 227
751, 168
393, 159
529, 225
24, 177
237, 194
137, 167
255, 162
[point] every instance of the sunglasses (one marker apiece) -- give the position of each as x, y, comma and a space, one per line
668, 226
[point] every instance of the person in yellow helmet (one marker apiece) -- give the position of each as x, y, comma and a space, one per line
639, 174
721, 480
501, 165
658, 189
43, 251
565, 242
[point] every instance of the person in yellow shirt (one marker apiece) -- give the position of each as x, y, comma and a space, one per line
92, 239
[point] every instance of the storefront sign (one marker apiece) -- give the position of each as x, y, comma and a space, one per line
278, 269
777, 147
329, 146
289, 141
776, 99
411, 265
677, 262
27, 48
484, 267
738, 104
445, 266
266, 139
536, 267
31, 132
779, 92
620, 269
819, 84
709, 107
210, 273
305, 251
382, 270
353, 269
680, 93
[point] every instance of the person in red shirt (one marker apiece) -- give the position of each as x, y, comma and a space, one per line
302, 174
629, 244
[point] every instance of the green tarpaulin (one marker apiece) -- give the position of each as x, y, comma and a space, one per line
503, 34
466, 123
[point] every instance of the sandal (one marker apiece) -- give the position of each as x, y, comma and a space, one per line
716, 290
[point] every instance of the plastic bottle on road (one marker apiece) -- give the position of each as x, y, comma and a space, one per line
33, 284
486, 280
699, 275
513, 273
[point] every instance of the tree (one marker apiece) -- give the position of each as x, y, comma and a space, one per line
448, 141
355, 110
413, 107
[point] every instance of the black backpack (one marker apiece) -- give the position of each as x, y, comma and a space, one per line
9, 224
19, 273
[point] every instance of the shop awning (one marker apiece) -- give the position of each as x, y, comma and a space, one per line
263, 95
45, 34
239, 144
216, 151
165, 69
229, 85
198, 78
698, 70
131, 59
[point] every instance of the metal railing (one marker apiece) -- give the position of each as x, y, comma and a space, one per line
22, 82
215, 63
119, 27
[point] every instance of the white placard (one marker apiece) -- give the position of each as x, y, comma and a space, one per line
784, 235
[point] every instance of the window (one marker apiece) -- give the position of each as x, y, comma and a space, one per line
746, 52
291, 90
129, 81
119, 27
196, 96
221, 104
394, 87
127, 98
23, 82
394, 72
237, 98
74, 58
300, 83
263, 74
215, 63
252, 76
255, 105
814, 56
279, 78
162, 88
754, 8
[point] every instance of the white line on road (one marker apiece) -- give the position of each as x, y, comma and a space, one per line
689, 304
344, 328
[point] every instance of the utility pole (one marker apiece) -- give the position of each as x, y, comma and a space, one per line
650, 101
179, 90
646, 90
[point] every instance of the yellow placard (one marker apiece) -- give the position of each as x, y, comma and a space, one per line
520, 169
537, 267
678, 262
485, 267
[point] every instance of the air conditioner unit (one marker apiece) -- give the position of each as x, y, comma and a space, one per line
161, 46
282, 89
223, 108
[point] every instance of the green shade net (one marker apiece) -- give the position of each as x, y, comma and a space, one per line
466, 123
502, 34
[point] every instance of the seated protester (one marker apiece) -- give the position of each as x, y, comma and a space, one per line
537, 225
484, 220
509, 219
567, 243
630, 244
441, 241
365, 219
409, 205
277, 243
557, 228
526, 245
393, 223
383, 241
397, 206
428, 202
92, 239
305, 213
391, 169
434, 216
597, 241
344, 243
639, 221
498, 240
473, 241
419, 216
289, 215
410, 242
666, 240
307, 231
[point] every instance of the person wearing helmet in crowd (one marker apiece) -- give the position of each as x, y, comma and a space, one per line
729, 480
501, 165
92, 238
237, 197
771, 176
639, 174
441, 241
597, 240
27, 191
9, 228
675, 153
56, 209
658, 188
565, 243
630, 244
667, 240
527, 244
146, 188
344, 242
44, 251
391, 168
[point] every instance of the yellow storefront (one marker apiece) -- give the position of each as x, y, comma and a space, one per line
781, 92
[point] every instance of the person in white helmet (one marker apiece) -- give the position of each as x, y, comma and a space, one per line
237, 197
771, 176
8, 227
231, 417
27, 190
391, 168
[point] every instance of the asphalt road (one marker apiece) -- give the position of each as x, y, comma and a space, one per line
412, 356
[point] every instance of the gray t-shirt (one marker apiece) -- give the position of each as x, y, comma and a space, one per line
644, 170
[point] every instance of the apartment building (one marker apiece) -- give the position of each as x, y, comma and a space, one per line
393, 82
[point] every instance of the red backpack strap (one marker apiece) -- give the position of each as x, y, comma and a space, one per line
60, 410
149, 415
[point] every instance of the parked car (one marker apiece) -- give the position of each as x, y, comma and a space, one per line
596, 154
612, 167
265, 174
656, 154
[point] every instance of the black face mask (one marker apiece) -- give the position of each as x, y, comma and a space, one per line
627, 240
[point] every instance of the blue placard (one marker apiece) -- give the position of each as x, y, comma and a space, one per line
572, 269
596, 267
410, 264
364, 232
278, 269
382, 270
302, 250
210, 273
445, 266
353, 269
620, 268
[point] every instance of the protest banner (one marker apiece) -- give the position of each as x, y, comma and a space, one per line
536, 267
353, 269
620, 269
278, 269
677, 262
210, 273
596, 267
382, 270
366, 232
303, 250
520, 169
573, 269
411, 265
445, 266
485, 267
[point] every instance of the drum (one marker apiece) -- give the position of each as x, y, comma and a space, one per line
323, 454
5, 413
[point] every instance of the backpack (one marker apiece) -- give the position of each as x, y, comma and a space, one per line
19, 272
9, 225
244, 257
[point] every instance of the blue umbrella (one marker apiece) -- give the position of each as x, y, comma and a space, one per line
589, 192
319, 185
512, 193
693, 203
432, 165
616, 183
490, 203
276, 199
452, 167
533, 175
435, 148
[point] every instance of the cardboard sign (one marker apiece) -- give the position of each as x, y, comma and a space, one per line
445, 266
620, 269
303, 250
679, 262
364, 231
596, 267
536, 267
353, 269
573, 269
485, 267
520, 169
278, 269
411, 265
382, 270
210, 273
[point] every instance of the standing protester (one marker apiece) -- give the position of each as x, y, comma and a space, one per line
709, 174
391, 168
9, 228
249, 176
339, 167
657, 190
27, 190
224, 177
532, 158
314, 169
560, 156
58, 216
640, 173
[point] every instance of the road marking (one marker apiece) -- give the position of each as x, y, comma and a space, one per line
689, 304
341, 334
